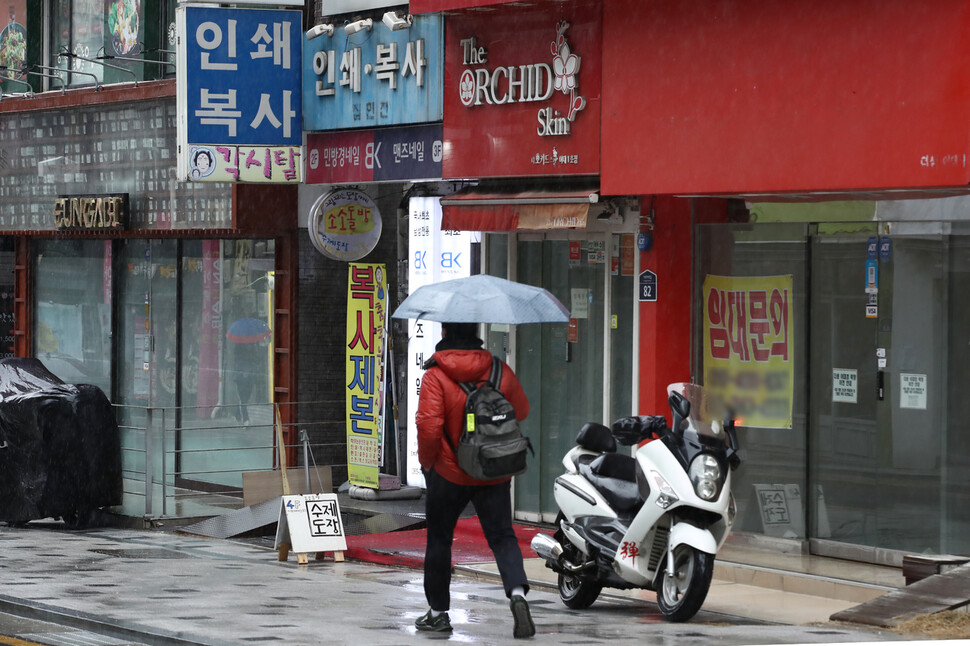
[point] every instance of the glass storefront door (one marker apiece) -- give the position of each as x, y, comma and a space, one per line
878, 390
193, 352
562, 366
227, 420
145, 351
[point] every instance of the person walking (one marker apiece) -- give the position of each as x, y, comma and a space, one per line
460, 358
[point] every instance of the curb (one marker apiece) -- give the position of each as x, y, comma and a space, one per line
83, 621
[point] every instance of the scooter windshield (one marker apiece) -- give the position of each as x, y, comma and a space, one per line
708, 413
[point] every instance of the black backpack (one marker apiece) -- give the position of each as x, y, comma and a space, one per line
491, 445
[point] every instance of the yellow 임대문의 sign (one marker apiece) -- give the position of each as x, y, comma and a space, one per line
366, 316
748, 346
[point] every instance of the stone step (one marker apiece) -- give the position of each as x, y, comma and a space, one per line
794, 582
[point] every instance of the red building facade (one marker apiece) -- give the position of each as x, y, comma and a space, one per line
822, 148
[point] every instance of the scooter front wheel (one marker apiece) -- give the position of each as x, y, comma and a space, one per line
576, 592
680, 596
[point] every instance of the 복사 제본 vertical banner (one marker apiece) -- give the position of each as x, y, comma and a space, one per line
366, 316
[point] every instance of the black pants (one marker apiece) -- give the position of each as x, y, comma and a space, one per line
444, 503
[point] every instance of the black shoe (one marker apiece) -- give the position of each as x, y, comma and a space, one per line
439, 624
524, 627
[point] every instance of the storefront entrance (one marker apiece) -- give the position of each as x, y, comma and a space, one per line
576, 373
178, 334
878, 389
874, 457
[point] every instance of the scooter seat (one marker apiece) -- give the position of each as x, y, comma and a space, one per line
615, 465
596, 437
614, 476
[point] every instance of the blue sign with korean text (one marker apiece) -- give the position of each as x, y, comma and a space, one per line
375, 77
242, 76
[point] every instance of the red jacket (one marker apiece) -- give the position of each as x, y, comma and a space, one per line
441, 408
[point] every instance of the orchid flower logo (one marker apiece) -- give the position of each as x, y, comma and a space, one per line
566, 64
466, 88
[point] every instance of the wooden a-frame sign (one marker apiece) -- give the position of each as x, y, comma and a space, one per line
307, 522
310, 523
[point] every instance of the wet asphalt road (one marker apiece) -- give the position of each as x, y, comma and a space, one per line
151, 587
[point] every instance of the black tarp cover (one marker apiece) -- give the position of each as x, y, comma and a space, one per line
60, 448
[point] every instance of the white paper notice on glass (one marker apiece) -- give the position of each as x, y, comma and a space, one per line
912, 391
579, 302
845, 385
312, 523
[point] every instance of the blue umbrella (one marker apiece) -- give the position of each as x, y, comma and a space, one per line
482, 299
248, 330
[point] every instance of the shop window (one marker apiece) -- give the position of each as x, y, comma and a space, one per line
167, 39
77, 30
227, 289
13, 47
7, 268
98, 41
746, 282
72, 310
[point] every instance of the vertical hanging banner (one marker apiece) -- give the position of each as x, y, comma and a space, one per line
424, 223
748, 346
366, 317
435, 256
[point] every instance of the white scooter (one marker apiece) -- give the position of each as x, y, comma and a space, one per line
653, 521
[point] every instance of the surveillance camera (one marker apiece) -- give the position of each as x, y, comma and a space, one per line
358, 25
319, 30
395, 21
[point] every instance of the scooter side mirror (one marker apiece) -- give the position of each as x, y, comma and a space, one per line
680, 406
734, 460
732, 434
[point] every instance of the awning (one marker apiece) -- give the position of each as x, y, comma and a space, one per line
478, 209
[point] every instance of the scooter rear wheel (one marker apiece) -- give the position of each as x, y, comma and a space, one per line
576, 592
680, 596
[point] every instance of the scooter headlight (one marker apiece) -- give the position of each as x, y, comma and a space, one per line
705, 473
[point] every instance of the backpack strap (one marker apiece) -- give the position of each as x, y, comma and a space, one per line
495, 378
